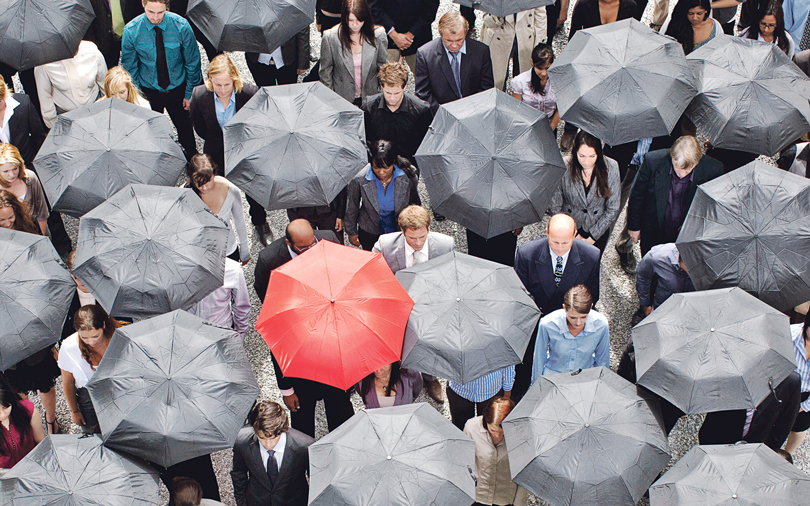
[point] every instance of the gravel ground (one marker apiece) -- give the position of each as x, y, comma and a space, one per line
617, 301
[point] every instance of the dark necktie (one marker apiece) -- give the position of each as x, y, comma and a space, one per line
456, 66
558, 271
272, 467
162, 65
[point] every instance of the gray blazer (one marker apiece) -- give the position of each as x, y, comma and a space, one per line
337, 66
592, 213
367, 214
392, 247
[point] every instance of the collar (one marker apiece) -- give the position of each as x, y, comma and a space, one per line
675, 176
554, 255
463, 49
293, 254
562, 324
279, 448
163, 24
371, 177
410, 251
11, 104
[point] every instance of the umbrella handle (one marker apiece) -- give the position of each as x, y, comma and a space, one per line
773, 390
574, 373
472, 475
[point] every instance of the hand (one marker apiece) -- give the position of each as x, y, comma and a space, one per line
186, 102
319, 28
517, 231
78, 419
354, 241
707, 145
589, 240
562, 18
647, 310
292, 402
401, 40
245, 262
338, 224
302, 71
635, 235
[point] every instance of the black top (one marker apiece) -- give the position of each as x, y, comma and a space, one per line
586, 14
405, 127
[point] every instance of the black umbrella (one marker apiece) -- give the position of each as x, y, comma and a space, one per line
751, 96
471, 317
36, 32
93, 152
490, 163
502, 8
751, 228
295, 145
585, 437
149, 250
259, 26
400, 456
35, 295
622, 82
713, 351
172, 388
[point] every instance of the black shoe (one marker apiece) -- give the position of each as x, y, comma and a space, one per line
264, 233
628, 262
438, 217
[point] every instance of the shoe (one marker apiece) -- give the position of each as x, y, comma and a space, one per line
434, 390
567, 141
628, 262
264, 233
438, 217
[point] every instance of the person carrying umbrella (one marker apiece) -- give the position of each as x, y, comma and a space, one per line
801, 344
118, 84
390, 385
533, 86
20, 427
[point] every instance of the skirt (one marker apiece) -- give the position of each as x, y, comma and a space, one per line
38, 372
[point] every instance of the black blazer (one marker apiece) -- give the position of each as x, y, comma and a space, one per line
26, 132
647, 204
404, 16
204, 118
434, 77
251, 486
533, 267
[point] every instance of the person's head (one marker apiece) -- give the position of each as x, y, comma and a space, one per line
95, 328
223, 77
300, 236
698, 11
5, 90
587, 157
201, 170
155, 10
577, 304
185, 492
785, 455
12, 166
269, 421
390, 374
770, 22
393, 78
383, 159
561, 230
14, 214
685, 16
686, 154
414, 221
542, 59
494, 413
12, 409
453, 30
118, 84
356, 18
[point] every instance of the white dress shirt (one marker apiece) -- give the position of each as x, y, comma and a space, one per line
275, 56
5, 132
410, 252
279, 449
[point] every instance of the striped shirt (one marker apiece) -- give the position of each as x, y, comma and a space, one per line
485, 387
802, 364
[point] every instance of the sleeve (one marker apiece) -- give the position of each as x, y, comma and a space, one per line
101, 70
644, 276
541, 23
238, 214
508, 378
638, 194
593, 280
191, 58
787, 11
325, 72
380, 15
45, 92
418, 384
382, 51
352, 207
240, 305
602, 352
302, 39
339, 203
540, 351
39, 208
521, 266
611, 211
422, 81
492, 22
487, 79
376, 248
558, 199
261, 277
517, 86
239, 477
35, 128
413, 186
806, 405
429, 9
129, 55
660, 12
197, 120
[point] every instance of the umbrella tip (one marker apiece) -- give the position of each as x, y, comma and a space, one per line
333, 301
388, 457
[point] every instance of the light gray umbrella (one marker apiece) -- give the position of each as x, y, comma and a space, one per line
751, 228
93, 152
35, 295
149, 250
471, 317
172, 388
714, 350
751, 96
502, 8
75, 470
36, 32
585, 437
622, 82
399, 456
295, 145
259, 26
731, 475
490, 163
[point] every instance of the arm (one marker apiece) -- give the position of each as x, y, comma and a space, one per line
422, 82
660, 13
35, 128
413, 186
261, 276
101, 70
423, 22
577, 19
197, 120
540, 352
644, 277
558, 199
602, 353
69, 389
239, 477
638, 194
555, 118
382, 52
302, 39
493, 22
381, 16
352, 208
508, 380
129, 56
45, 92
563, 12
36, 426
325, 72
611, 211
191, 57
487, 79
238, 214
518, 96
418, 385
540, 23
593, 281
240, 306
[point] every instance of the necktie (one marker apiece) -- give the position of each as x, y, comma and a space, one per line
162, 65
117, 18
272, 467
805, 42
558, 271
456, 66
417, 257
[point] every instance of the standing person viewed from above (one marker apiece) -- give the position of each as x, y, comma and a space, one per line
20, 124
660, 274
796, 13
467, 400
533, 87
284, 64
20, 427
390, 385
14, 214
513, 38
24, 184
801, 347
229, 305
769, 26
407, 23
186, 491
691, 24
118, 84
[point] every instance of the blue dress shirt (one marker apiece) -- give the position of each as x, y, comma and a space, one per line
558, 351
795, 12
224, 115
802, 364
485, 387
385, 200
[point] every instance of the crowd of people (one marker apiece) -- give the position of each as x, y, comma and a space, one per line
146, 52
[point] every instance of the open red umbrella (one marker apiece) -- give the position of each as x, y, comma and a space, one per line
334, 314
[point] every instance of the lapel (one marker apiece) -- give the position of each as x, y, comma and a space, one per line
401, 189
256, 458
465, 65
571, 267
369, 55
210, 111
370, 193
662, 184
544, 268
345, 55
692, 188
444, 63
399, 252
286, 462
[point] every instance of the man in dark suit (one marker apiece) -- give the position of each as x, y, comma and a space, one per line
452, 66
270, 460
282, 66
407, 23
665, 186
25, 129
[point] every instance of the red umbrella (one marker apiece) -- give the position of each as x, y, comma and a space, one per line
334, 314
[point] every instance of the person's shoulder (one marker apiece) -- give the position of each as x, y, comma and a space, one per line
327, 235
177, 19
476, 45
136, 23
553, 319
599, 320
473, 425
587, 252
245, 437
249, 89
28, 406
535, 245
360, 177
332, 33
522, 78
379, 32
389, 239
371, 102
417, 103
298, 438
199, 92
442, 239
431, 46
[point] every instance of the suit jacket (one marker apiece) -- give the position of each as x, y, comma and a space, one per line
101, 30
533, 267
363, 208
251, 486
26, 131
404, 16
647, 204
204, 118
435, 83
392, 247
295, 51
337, 65
499, 34
802, 60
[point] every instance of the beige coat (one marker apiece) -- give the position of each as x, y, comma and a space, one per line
499, 33
337, 66
495, 485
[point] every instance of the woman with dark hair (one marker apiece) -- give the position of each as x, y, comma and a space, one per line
14, 214
533, 86
801, 347
769, 26
390, 385
20, 427
377, 195
591, 191
691, 24
357, 45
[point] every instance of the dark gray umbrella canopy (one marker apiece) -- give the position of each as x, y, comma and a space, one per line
149, 250
490, 163
731, 475
471, 317
503, 8
93, 152
399, 456
585, 438
36, 32
714, 350
751, 96
751, 228
259, 26
622, 82
295, 145
35, 295
172, 388
75, 470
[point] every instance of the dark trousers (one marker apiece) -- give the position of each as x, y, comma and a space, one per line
200, 469
258, 215
88, 411
462, 409
172, 101
269, 75
552, 14
468, 13
324, 221
523, 370
500, 249
367, 240
337, 403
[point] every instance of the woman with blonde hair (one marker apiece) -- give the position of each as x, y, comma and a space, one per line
118, 84
24, 184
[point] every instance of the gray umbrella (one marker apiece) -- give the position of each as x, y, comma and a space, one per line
295, 145
740, 474
172, 388
751, 228
93, 152
399, 456
74, 470
503, 8
713, 351
149, 250
622, 82
471, 317
490, 163
259, 26
35, 295
36, 32
585, 438
751, 96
